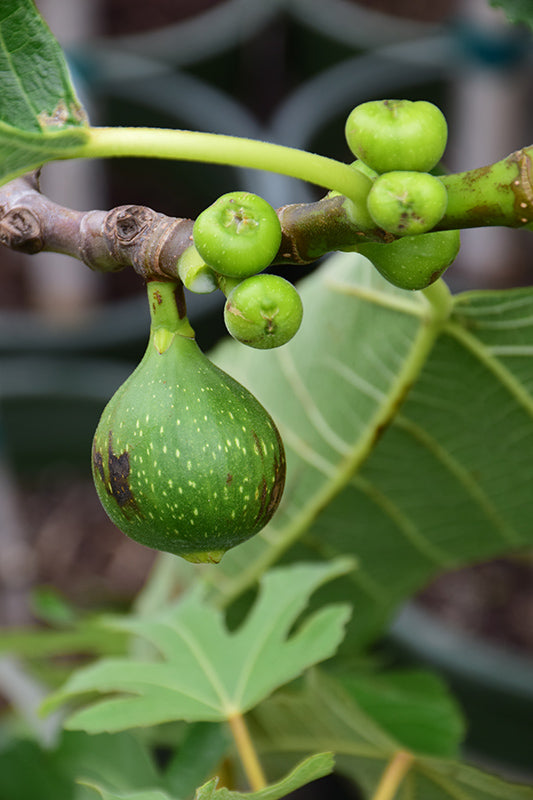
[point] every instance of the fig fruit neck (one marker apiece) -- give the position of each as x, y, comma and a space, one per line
166, 320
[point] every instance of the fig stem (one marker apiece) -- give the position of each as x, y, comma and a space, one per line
498, 194
167, 309
221, 149
247, 752
440, 299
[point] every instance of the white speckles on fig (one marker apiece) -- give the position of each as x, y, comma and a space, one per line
187, 497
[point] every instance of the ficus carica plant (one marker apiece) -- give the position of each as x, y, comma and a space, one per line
356, 434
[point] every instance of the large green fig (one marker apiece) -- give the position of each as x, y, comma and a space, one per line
185, 459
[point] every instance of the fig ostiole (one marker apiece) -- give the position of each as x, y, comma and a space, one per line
185, 459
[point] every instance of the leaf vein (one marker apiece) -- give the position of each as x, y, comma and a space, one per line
203, 662
462, 475
483, 354
315, 416
408, 529
306, 452
15, 73
391, 301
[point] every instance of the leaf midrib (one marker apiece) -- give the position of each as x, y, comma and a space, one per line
205, 664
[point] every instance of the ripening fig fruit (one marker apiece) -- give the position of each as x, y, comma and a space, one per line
391, 135
263, 311
238, 235
414, 262
185, 459
407, 203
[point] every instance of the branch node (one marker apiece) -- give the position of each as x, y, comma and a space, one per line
522, 188
128, 223
20, 230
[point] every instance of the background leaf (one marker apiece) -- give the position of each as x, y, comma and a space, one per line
86, 636
413, 706
208, 672
311, 769
324, 714
120, 761
41, 117
411, 453
516, 10
199, 754
145, 794
314, 767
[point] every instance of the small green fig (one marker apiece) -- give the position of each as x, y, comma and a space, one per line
184, 458
238, 235
263, 311
397, 134
414, 262
407, 203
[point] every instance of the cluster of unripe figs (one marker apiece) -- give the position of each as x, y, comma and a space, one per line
185, 459
397, 144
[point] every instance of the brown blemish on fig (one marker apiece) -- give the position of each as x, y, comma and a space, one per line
436, 275
280, 471
279, 484
98, 462
263, 494
158, 300
232, 309
229, 478
257, 443
270, 499
118, 470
